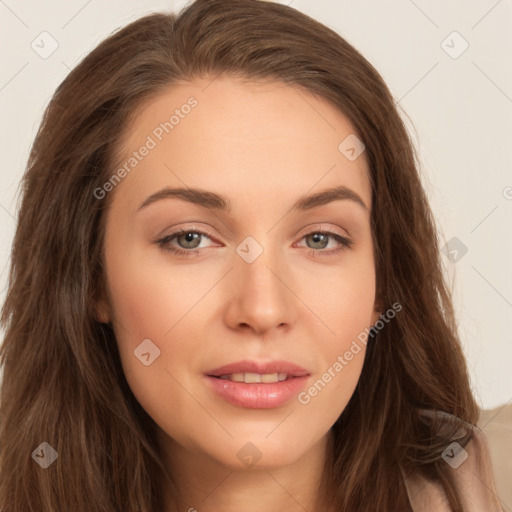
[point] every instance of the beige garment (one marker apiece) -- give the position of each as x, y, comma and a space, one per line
497, 426
468, 457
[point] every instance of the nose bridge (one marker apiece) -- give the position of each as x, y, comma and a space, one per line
261, 299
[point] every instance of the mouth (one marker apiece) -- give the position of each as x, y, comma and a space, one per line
256, 378
254, 385
254, 370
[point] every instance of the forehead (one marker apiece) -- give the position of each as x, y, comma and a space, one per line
234, 136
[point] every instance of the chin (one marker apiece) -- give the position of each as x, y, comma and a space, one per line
260, 452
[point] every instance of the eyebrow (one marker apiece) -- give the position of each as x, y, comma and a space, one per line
219, 202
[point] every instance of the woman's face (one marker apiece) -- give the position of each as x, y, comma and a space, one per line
262, 279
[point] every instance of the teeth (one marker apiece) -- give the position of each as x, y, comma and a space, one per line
253, 378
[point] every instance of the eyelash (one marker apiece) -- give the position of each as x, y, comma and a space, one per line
345, 243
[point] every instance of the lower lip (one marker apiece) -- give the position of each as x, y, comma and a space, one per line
257, 396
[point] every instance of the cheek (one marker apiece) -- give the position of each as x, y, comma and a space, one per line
342, 298
343, 301
149, 298
329, 393
155, 317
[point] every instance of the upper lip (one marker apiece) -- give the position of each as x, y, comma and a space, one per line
270, 367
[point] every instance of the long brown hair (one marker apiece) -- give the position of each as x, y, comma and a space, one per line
62, 378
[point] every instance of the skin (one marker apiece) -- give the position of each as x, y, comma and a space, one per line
263, 145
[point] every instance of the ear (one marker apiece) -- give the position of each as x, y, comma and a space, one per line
101, 307
377, 311
102, 312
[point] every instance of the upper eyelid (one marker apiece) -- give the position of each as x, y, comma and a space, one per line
316, 228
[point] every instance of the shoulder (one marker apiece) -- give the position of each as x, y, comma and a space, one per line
425, 495
465, 452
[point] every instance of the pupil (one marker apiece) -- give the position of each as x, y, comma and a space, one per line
189, 237
317, 238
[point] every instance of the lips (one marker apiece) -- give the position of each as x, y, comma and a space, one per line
254, 385
254, 367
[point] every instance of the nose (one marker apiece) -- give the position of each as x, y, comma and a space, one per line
262, 299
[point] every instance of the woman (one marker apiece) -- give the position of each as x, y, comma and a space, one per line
225, 288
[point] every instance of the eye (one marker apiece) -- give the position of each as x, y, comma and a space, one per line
320, 240
188, 240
